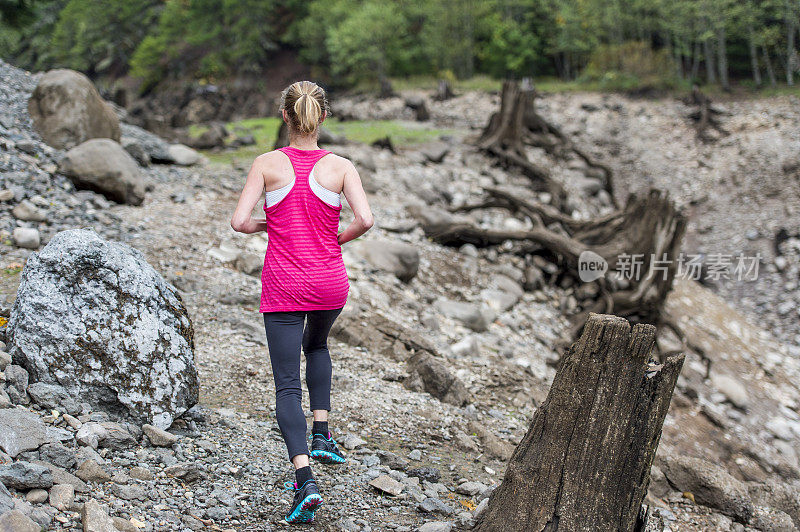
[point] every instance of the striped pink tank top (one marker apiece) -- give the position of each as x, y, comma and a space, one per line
303, 266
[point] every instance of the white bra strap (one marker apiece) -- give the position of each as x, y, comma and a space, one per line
274, 197
328, 196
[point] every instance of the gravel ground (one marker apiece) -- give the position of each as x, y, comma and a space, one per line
228, 468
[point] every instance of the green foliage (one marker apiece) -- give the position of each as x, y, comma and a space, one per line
99, 36
630, 65
29, 42
206, 39
367, 43
356, 42
514, 43
16, 13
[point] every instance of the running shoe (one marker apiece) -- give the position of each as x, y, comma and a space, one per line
325, 449
307, 501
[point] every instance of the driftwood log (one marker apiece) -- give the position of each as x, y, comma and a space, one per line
639, 243
585, 461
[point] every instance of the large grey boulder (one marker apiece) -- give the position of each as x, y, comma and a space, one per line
22, 475
104, 166
53, 396
95, 318
711, 486
398, 258
67, 110
183, 155
16, 521
471, 315
21, 430
156, 148
430, 374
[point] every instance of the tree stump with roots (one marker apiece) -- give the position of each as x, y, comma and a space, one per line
518, 125
646, 233
585, 461
706, 117
443, 91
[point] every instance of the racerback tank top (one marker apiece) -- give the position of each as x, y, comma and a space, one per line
303, 266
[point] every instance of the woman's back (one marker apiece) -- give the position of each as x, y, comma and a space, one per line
303, 267
304, 282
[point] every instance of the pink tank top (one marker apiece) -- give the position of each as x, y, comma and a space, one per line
303, 266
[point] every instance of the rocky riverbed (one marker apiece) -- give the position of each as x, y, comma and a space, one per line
426, 440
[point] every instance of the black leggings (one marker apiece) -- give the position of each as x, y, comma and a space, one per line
285, 336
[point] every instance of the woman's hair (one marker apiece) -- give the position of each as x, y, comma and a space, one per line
304, 102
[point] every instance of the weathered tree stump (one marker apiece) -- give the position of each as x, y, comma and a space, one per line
705, 116
517, 125
386, 89
283, 136
443, 91
585, 462
417, 104
504, 134
639, 243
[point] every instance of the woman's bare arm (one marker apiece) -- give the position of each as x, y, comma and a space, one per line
357, 198
243, 220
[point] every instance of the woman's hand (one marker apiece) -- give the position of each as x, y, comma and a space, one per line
254, 225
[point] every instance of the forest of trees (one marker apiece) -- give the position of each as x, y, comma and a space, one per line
619, 43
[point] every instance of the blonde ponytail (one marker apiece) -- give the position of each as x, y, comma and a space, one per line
304, 103
308, 111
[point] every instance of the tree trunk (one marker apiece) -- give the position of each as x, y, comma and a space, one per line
386, 90
710, 75
705, 117
585, 462
791, 53
443, 91
695, 61
768, 66
723, 57
557, 59
754, 58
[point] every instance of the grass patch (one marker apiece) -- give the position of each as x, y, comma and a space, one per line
402, 133
195, 130
265, 132
552, 84
431, 83
483, 83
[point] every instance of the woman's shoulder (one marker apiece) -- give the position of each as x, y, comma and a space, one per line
271, 155
339, 161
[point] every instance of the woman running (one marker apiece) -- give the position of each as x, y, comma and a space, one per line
304, 278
